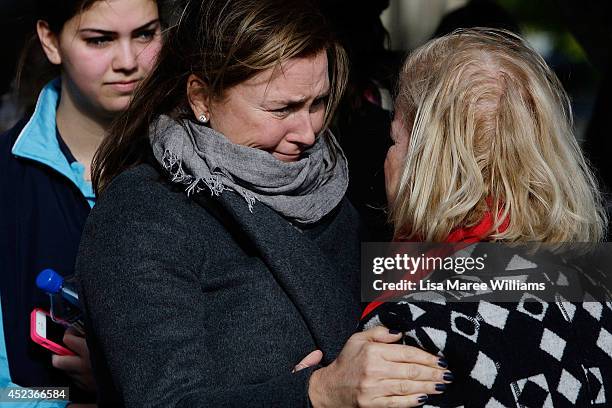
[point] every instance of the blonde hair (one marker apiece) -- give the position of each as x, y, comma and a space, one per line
490, 129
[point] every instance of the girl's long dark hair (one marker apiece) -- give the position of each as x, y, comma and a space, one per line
33, 69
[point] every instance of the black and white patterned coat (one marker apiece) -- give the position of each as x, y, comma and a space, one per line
531, 353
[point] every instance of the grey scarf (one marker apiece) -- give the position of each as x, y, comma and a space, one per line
198, 156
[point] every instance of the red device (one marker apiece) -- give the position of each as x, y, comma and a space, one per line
47, 333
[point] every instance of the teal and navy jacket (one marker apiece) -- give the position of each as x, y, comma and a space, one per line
44, 201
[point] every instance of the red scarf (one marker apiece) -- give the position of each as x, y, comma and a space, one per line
468, 235
478, 232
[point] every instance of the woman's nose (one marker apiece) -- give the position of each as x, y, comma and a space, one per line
126, 58
304, 132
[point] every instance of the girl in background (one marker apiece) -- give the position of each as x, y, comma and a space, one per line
101, 51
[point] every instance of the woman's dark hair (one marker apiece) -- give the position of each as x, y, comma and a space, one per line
33, 68
223, 42
57, 12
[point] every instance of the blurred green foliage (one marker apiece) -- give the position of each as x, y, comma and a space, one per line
537, 16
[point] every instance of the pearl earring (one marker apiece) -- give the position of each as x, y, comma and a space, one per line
203, 118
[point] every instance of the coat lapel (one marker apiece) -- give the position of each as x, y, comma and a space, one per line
307, 276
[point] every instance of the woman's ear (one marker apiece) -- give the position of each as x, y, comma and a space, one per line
199, 98
49, 42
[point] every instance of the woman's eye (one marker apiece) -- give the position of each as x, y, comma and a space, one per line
98, 41
318, 104
146, 36
284, 111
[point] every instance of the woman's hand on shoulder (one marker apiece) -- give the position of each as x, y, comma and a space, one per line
370, 372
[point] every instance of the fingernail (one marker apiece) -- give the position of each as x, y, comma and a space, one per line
443, 363
448, 376
393, 331
422, 399
440, 387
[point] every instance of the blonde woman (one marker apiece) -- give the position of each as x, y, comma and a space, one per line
484, 151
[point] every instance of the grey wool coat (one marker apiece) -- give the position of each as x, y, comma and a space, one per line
197, 302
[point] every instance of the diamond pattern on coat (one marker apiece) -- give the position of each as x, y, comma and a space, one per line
528, 360
465, 325
532, 306
552, 344
466, 252
438, 337
604, 341
517, 262
484, 371
535, 386
532, 394
416, 311
412, 334
596, 384
493, 403
373, 322
562, 280
569, 386
595, 309
493, 315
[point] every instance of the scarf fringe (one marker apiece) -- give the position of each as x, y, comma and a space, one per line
172, 164
249, 197
198, 158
